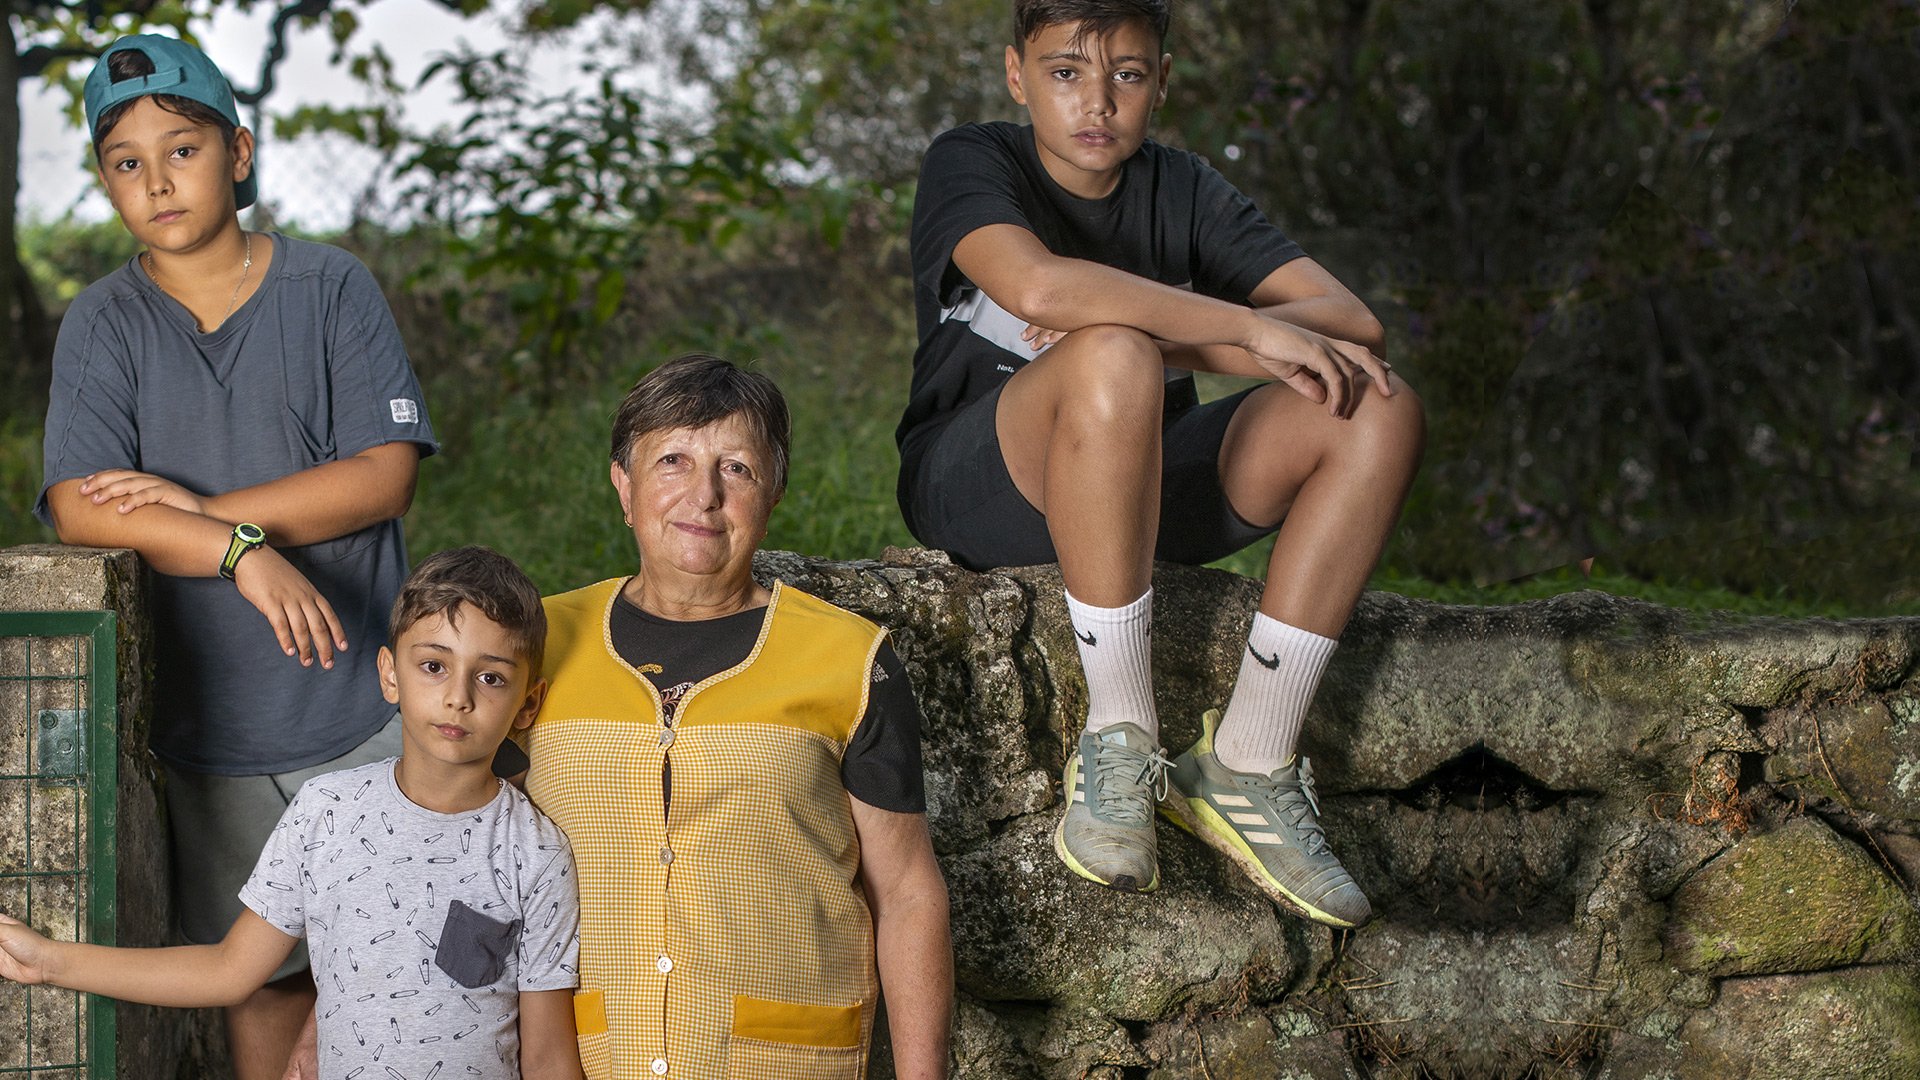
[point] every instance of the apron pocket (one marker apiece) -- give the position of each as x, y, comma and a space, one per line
786, 1040
596, 1042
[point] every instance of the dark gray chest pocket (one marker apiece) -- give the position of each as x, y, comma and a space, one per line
474, 948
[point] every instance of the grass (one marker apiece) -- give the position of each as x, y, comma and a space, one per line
20, 482
529, 478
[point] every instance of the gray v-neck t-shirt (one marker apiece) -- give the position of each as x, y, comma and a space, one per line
309, 370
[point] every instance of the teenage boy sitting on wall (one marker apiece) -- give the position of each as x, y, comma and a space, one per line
1068, 274
440, 907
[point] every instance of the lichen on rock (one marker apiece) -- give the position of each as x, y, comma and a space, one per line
1797, 898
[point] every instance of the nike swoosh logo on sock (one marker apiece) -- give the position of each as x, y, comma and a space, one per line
1088, 639
1270, 665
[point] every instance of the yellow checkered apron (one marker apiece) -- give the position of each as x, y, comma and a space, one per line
723, 935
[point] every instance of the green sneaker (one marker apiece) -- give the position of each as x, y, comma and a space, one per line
1269, 825
1106, 835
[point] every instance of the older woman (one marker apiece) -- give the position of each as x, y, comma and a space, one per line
738, 770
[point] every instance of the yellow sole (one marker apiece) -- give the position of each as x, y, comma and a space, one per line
1073, 864
1200, 819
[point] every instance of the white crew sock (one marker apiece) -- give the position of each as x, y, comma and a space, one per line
1115, 653
1278, 676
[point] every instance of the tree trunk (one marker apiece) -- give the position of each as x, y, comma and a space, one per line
24, 345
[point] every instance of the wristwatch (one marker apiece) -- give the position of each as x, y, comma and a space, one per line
246, 537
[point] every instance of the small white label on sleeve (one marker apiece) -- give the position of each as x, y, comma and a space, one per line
405, 410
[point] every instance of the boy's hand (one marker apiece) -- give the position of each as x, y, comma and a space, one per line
1040, 337
23, 954
1320, 368
304, 1062
301, 618
137, 489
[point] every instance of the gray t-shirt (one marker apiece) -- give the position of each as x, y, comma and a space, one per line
423, 927
309, 370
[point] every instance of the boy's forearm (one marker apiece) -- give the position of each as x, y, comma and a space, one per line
1013, 268
182, 976
170, 540
329, 500
549, 1047
1343, 318
1046, 290
1071, 294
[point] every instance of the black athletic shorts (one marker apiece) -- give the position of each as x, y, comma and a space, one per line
960, 498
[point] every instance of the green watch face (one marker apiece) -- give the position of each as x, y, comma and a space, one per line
246, 537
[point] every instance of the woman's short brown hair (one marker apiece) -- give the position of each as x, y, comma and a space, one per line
696, 390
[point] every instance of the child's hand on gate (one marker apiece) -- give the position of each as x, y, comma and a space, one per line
23, 953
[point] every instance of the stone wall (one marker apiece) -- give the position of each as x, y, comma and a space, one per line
153, 1043
1604, 839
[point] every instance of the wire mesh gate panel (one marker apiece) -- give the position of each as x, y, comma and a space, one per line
58, 776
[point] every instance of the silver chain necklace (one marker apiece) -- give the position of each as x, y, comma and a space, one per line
246, 267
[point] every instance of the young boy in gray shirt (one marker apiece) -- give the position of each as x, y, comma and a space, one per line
439, 907
238, 408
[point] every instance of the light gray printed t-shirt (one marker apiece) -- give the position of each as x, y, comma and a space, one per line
423, 927
308, 371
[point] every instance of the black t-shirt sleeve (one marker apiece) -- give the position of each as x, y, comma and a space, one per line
510, 760
968, 180
882, 764
1235, 247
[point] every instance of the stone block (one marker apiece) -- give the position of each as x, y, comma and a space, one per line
1798, 898
1862, 1023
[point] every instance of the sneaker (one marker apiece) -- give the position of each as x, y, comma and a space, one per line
1269, 825
1106, 835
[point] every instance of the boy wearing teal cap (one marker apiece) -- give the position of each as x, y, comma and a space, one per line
238, 408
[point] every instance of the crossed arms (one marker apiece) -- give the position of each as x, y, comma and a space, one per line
184, 533
1305, 328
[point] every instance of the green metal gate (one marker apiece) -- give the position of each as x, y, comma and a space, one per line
58, 776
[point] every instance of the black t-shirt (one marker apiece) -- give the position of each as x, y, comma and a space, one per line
1171, 218
882, 764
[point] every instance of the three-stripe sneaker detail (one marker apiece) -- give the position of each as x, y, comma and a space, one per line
1269, 826
1111, 785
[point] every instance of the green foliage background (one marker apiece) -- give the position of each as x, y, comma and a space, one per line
1651, 266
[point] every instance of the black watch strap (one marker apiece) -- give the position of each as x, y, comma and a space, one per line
246, 537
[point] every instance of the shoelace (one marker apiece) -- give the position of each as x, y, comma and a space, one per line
1294, 797
1123, 773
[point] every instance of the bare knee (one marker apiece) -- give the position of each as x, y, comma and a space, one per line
1115, 373
1392, 429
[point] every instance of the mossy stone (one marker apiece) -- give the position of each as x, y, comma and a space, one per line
1860, 1023
1799, 898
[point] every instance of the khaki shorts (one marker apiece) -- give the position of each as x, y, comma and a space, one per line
219, 824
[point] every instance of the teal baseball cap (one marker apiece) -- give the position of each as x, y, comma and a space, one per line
179, 69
